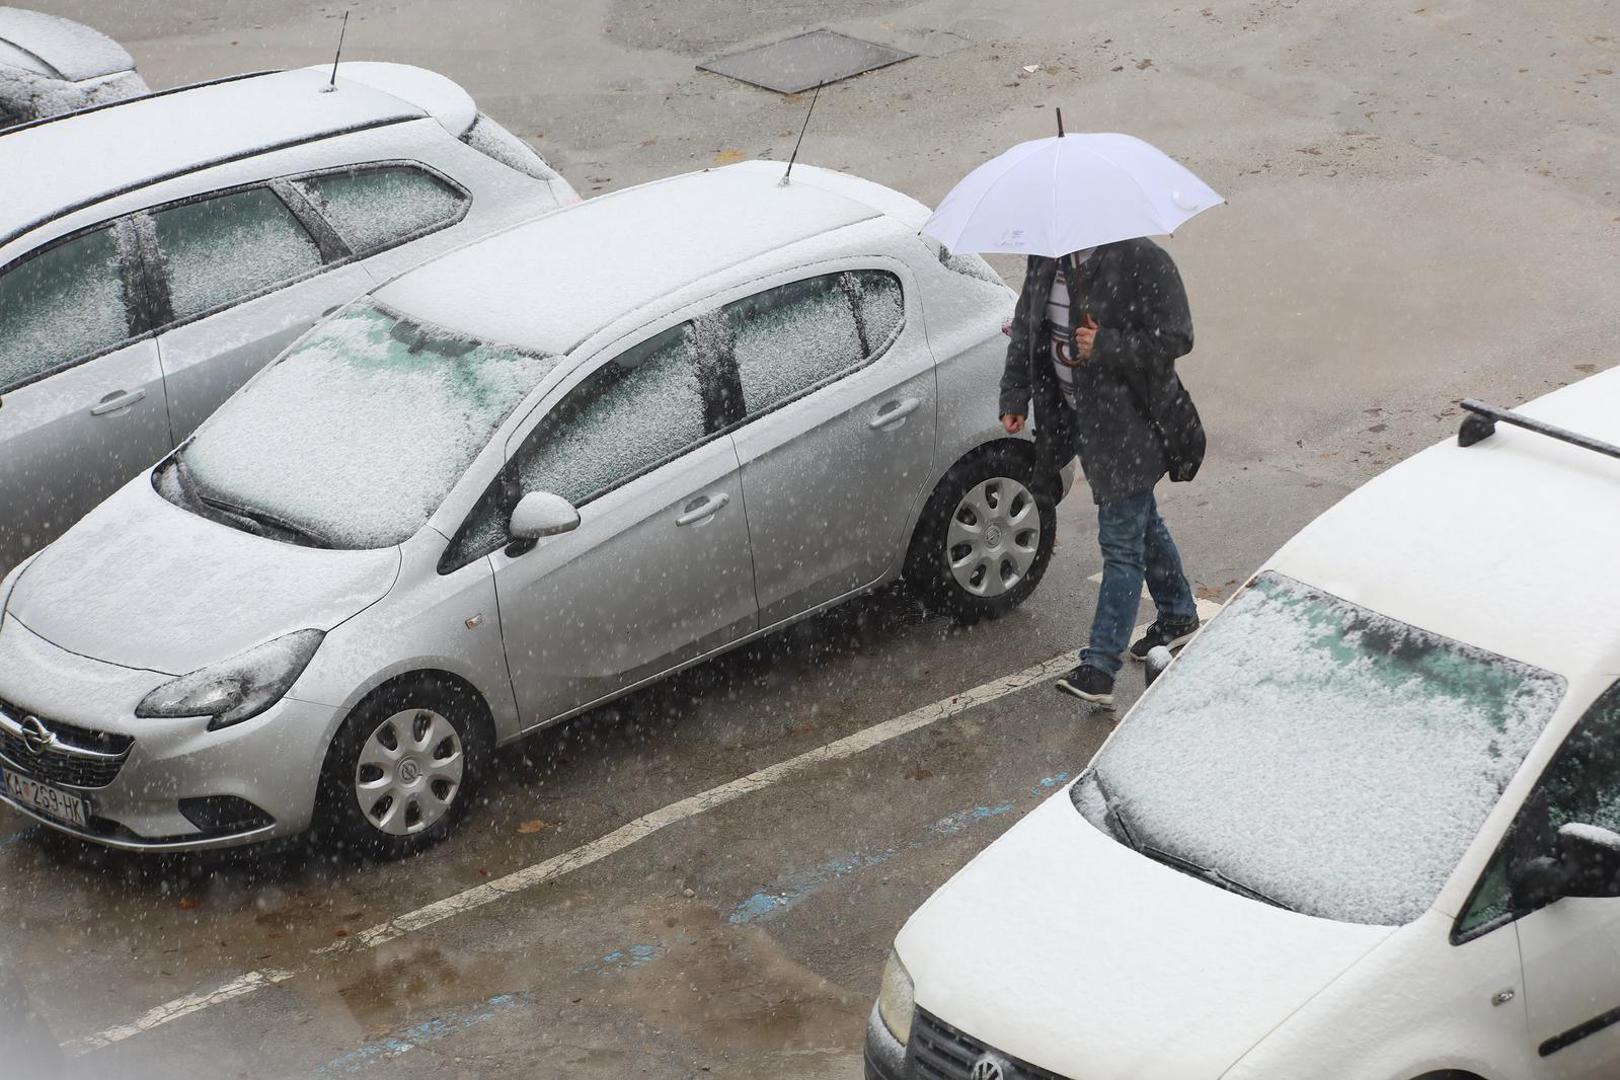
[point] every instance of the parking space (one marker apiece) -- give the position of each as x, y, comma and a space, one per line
648, 890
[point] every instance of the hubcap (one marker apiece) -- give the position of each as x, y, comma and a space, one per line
993, 536
409, 772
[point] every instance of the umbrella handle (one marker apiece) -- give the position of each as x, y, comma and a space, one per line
1060, 123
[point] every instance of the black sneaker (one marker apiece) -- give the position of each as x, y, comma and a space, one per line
1172, 635
1089, 684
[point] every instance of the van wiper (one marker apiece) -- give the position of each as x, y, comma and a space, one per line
1120, 825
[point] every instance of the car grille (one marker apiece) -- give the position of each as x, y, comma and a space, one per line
76, 757
940, 1052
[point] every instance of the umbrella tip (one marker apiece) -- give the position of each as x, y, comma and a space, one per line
1060, 123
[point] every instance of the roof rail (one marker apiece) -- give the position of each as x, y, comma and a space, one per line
1481, 423
43, 120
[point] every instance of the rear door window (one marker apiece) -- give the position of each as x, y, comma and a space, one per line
791, 339
230, 247
61, 306
381, 207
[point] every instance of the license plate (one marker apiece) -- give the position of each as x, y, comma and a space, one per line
50, 801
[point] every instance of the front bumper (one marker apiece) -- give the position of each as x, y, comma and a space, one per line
271, 762
884, 1054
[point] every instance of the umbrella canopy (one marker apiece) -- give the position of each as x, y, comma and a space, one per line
1070, 192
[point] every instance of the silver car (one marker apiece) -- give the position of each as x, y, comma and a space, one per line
534, 474
155, 253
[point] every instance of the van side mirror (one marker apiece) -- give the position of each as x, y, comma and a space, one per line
1158, 659
1587, 864
540, 514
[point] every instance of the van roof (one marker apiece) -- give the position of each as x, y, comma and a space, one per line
550, 283
1508, 545
65, 163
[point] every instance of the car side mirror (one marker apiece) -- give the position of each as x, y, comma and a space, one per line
1587, 864
1158, 659
540, 514
1590, 857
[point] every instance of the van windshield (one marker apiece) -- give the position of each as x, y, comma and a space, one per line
1320, 754
353, 437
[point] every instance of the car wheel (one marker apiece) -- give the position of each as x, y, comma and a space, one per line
400, 774
984, 538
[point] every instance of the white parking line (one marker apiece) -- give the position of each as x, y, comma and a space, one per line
180, 1006
560, 865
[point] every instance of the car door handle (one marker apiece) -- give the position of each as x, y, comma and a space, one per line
116, 401
893, 412
703, 508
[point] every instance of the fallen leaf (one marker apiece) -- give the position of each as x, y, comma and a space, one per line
189, 903
1205, 592
534, 825
1143, 65
340, 932
730, 157
919, 774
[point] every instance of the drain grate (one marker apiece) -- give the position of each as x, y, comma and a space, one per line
798, 63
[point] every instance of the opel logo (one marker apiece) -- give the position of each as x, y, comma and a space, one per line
35, 736
987, 1068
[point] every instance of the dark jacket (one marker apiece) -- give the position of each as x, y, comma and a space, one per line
1133, 291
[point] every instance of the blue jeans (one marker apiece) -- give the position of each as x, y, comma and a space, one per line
1136, 545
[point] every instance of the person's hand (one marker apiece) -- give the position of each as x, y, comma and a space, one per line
1013, 423
1085, 338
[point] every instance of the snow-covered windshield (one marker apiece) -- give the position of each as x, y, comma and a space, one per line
1320, 754
354, 437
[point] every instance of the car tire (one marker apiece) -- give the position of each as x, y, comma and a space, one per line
402, 771
985, 537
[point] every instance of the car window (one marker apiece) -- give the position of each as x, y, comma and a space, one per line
230, 247
640, 409
789, 339
1581, 784
375, 208
64, 304
492, 140
882, 308
1330, 757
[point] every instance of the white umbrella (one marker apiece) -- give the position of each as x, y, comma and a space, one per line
1053, 196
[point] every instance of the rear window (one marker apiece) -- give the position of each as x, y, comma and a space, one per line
494, 141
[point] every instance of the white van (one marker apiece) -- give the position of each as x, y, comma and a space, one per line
1366, 827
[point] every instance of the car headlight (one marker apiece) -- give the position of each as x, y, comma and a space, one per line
897, 1002
239, 688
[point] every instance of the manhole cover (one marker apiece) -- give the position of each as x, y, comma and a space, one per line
798, 63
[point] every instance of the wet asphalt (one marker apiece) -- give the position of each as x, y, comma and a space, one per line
1422, 208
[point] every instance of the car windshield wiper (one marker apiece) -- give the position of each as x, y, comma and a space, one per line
1119, 823
267, 521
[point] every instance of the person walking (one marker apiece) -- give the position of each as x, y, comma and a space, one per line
1095, 337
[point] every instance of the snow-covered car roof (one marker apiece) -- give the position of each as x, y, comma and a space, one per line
59, 47
548, 284
1508, 545
65, 163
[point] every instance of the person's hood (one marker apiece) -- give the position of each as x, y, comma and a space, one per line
142, 583
1064, 948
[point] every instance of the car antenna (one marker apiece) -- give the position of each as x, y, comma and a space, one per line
342, 30
808, 114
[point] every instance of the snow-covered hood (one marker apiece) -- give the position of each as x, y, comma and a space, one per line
145, 584
1064, 948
